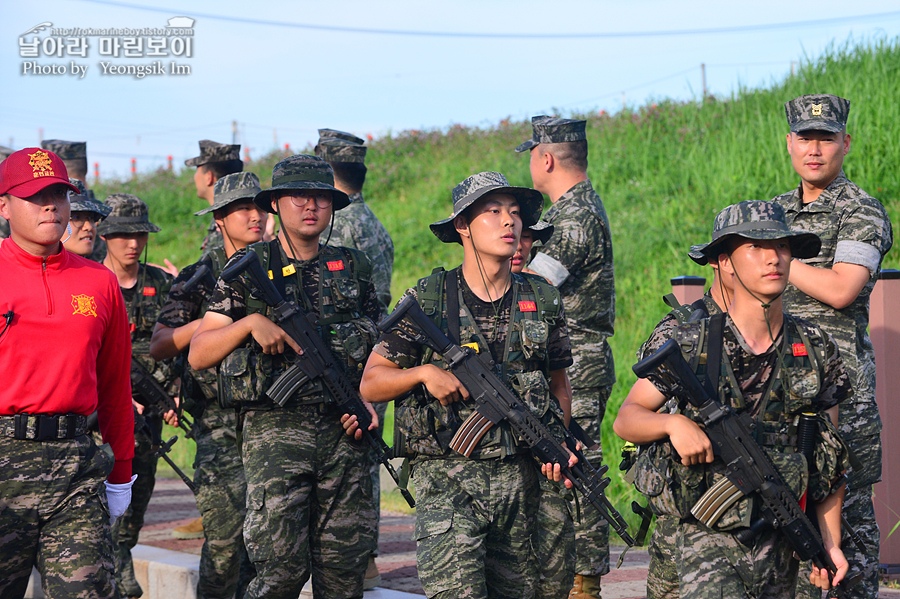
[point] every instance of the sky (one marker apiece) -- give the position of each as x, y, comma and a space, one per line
282, 69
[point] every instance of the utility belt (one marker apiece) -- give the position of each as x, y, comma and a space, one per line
43, 427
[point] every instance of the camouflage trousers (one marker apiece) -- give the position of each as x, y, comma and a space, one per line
475, 521
860, 513
591, 530
375, 472
225, 568
662, 573
714, 565
54, 516
555, 542
308, 488
126, 529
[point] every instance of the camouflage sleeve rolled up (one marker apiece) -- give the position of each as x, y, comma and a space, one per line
398, 345
559, 348
182, 306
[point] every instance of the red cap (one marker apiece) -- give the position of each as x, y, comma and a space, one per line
28, 171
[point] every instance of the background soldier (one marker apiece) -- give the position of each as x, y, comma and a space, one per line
832, 290
578, 260
221, 493
214, 162
85, 213
144, 287
51, 472
308, 487
357, 227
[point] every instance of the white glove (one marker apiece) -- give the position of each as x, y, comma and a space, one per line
118, 496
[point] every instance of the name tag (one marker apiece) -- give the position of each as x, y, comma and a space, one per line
149, 290
527, 307
799, 349
336, 265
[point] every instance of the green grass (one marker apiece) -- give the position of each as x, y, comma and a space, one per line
663, 170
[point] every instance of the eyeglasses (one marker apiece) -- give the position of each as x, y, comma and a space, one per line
301, 197
79, 219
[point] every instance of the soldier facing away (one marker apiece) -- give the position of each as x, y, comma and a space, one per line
832, 290
214, 162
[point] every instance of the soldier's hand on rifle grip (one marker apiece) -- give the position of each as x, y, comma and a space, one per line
443, 385
820, 576
351, 426
554, 471
271, 337
170, 417
689, 440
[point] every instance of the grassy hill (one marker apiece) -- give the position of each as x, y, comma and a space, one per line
663, 170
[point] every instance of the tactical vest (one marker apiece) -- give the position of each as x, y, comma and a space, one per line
344, 276
150, 295
423, 427
673, 488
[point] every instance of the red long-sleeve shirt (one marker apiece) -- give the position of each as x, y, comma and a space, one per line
68, 347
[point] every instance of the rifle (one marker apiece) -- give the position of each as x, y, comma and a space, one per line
158, 446
150, 394
494, 402
747, 467
316, 361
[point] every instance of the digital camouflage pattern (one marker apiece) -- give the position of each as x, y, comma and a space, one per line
225, 567
214, 240
67, 150
555, 541
474, 525
127, 214
820, 112
357, 227
342, 135
211, 151
855, 229
309, 502
338, 150
473, 188
54, 504
553, 130
302, 172
232, 188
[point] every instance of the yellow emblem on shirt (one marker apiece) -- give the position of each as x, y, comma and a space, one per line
84, 304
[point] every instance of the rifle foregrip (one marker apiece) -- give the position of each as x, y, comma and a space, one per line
409, 308
652, 362
250, 264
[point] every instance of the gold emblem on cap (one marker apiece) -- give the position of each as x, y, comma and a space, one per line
817, 110
84, 304
40, 164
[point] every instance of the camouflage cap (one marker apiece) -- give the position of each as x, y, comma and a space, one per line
339, 150
696, 254
541, 231
67, 150
821, 112
232, 188
211, 151
128, 214
5, 153
335, 134
82, 202
302, 172
531, 202
755, 219
553, 130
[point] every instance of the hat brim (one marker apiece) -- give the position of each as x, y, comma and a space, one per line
34, 186
526, 145
85, 205
111, 228
696, 254
817, 125
803, 245
218, 205
339, 199
531, 204
544, 234
193, 161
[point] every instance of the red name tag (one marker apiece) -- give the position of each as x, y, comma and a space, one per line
799, 349
149, 290
336, 265
527, 307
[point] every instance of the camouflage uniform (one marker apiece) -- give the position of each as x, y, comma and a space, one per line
143, 302
309, 496
211, 151
855, 229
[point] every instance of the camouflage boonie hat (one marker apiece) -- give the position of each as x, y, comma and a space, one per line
696, 254
335, 134
755, 219
232, 188
302, 172
211, 151
5, 153
820, 112
128, 214
553, 130
67, 150
82, 202
531, 202
541, 231
339, 150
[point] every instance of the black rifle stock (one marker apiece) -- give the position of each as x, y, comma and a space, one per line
151, 394
150, 428
495, 402
747, 466
316, 361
